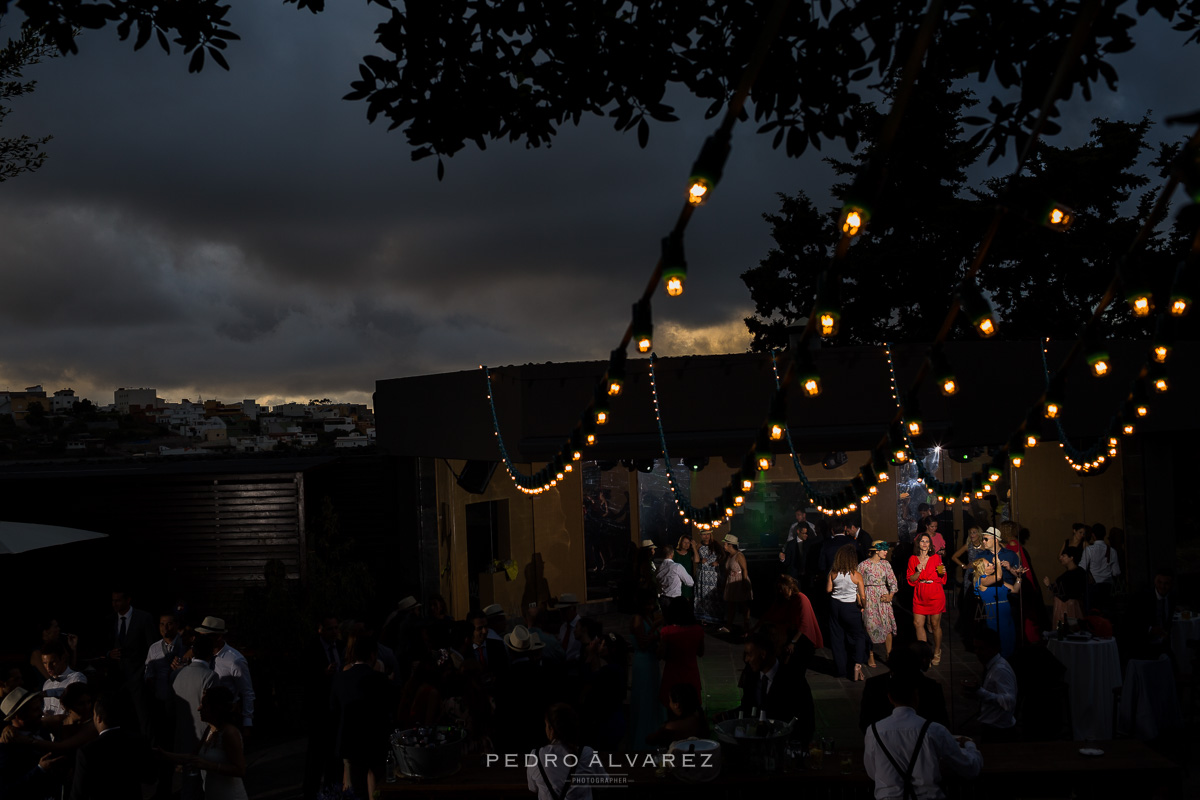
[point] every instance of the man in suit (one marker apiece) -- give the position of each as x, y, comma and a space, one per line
157, 678
1151, 615
780, 689
322, 661
862, 540
112, 766
189, 683
792, 555
490, 654
131, 633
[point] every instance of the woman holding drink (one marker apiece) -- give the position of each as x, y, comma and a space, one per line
927, 575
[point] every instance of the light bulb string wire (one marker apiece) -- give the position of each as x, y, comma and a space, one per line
682, 504
737, 102
819, 497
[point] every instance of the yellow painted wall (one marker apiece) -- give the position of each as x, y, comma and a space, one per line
1048, 496
549, 525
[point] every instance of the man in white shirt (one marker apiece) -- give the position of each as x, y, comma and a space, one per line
231, 668
997, 694
904, 753
159, 657
54, 659
671, 575
1100, 560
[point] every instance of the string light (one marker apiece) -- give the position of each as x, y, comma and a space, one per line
827, 307
674, 270
706, 171
977, 310
616, 372
1058, 218
943, 373
854, 218
642, 327
1097, 357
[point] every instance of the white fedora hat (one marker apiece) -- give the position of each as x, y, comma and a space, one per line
212, 625
406, 603
494, 610
522, 641
649, 543
731, 539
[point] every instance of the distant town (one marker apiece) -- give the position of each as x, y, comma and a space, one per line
35, 424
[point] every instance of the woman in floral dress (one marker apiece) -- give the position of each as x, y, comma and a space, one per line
881, 585
707, 563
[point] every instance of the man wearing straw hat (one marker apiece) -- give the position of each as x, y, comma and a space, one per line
24, 770
231, 668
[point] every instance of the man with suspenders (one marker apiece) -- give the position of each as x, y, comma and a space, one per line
904, 754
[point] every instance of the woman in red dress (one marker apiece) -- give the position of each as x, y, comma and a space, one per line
681, 642
927, 575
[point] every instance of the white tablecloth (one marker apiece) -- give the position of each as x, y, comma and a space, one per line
1181, 631
1093, 671
1149, 704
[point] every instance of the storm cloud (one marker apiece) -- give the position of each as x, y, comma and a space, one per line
248, 234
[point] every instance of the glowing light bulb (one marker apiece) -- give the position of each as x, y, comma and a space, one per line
764, 463
949, 501
852, 223
614, 388
1142, 306
776, 432
1031, 441
591, 438
829, 324
900, 455
729, 511
576, 455
1128, 429
601, 418
949, 387
643, 344
747, 484
986, 326
987, 487
883, 477
1180, 307
738, 499
978, 495
1142, 409
698, 192
873, 490
812, 387
914, 427
1052, 410
567, 468
1161, 385
1017, 461
1161, 352
1100, 367
674, 286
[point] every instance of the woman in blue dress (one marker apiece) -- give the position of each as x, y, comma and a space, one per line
993, 597
646, 713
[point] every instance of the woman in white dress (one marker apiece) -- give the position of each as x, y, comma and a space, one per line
221, 759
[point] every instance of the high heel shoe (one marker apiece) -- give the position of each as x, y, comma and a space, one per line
858, 673
937, 658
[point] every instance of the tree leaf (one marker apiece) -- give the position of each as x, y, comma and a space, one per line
643, 133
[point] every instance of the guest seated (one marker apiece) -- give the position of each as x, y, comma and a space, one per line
686, 718
921, 745
997, 693
913, 661
779, 688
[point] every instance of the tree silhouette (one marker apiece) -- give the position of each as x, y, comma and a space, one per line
23, 153
450, 73
902, 271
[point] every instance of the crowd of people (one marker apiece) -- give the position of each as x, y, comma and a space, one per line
173, 703
156, 701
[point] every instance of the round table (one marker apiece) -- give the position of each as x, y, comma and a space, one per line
1182, 630
1093, 671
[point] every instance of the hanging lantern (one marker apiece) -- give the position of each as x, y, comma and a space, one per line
706, 172
1052, 407
777, 422
912, 415
615, 378
809, 376
1058, 217
674, 266
763, 456
977, 310
1139, 296
1097, 356
943, 372
854, 218
828, 306
642, 326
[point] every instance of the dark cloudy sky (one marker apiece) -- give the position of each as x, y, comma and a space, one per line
248, 234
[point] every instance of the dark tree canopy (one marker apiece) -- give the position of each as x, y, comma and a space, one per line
901, 272
461, 71
24, 153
